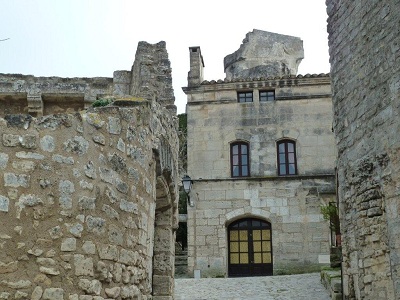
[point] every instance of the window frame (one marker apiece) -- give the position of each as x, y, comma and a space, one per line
245, 95
286, 153
240, 163
268, 97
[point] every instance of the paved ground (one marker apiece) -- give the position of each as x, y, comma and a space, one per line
299, 287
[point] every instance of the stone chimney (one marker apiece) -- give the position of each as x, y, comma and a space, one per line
195, 75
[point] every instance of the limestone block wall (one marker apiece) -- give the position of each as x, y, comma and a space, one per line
364, 47
300, 236
301, 111
79, 196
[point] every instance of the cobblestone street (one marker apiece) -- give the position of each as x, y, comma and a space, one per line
285, 287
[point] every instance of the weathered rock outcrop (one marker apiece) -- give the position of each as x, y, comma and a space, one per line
265, 54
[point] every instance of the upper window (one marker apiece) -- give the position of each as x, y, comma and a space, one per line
240, 159
267, 96
245, 96
287, 164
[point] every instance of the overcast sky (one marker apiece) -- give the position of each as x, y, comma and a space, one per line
93, 38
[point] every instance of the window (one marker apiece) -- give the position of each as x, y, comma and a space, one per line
245, 97
240, 159
287, 164
267, 96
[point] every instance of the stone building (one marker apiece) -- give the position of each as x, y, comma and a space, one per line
364, 46
88, 196
261, 155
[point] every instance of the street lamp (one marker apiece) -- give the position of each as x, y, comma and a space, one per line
187, 186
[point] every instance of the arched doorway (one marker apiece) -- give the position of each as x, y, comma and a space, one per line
249, 248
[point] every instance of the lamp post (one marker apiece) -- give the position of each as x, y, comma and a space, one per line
187, 186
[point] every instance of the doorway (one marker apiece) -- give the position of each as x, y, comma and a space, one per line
249, 248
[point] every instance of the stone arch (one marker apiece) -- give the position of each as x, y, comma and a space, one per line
251, 212
165, 225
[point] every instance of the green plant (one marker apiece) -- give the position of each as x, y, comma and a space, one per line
331, 214
101, 102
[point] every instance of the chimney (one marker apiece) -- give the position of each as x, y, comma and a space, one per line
195, 75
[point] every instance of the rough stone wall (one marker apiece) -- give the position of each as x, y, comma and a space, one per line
151, 74
88, 200
78, 203
364, 42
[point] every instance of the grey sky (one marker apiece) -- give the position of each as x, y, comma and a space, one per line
93, 38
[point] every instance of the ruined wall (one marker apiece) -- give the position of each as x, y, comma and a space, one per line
364, 53
78, 203
151, 74
88, 196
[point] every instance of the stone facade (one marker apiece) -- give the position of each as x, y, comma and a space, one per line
300, 111
88, 198
364, 47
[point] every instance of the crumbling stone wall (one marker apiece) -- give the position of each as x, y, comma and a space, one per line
88, 198
78, 203
364, 49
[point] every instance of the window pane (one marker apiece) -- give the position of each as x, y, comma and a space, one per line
245, 171
236, 171
243, 247
235, 160
282, 148
266, 235
256, 223
243, 223
291, 158
257, 258
244, 149
235, 149
266, 246
244, 258
290, 147
243, 235
266, 258
256, 235
234, 258
282, 158
234, 235
282, 169
244, 159
257, 246
234, 247
292, 169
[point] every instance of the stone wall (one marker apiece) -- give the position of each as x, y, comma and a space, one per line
364, 53
78, 204
88, 196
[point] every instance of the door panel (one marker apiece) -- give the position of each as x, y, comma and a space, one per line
250, 248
